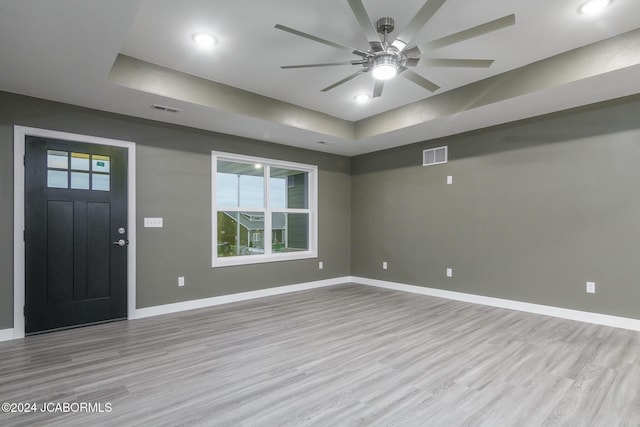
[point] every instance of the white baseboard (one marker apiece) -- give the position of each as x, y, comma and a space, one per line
564, 313
243, 296
6, 334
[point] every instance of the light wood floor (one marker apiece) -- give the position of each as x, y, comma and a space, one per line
344, 355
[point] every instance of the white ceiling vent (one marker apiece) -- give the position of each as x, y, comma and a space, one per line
434, 156
165, 108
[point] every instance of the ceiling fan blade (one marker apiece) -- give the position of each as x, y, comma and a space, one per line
377, 89
365, 23
487, 27
327, 64
423, 16
465, 63
376, 46
420, 81
412, 62
412, 52
320, 40
346, 79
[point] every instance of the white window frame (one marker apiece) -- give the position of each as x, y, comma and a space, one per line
268, 255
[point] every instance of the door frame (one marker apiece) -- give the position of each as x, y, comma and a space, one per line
20, 134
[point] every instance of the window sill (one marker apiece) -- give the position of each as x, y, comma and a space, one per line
259, 259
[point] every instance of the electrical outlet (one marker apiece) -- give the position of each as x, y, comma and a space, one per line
384, 265
591, 287
320, 265
449, 272
181, 281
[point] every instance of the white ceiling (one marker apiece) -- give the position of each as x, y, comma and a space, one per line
63, 50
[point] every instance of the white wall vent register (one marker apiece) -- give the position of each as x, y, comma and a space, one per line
434, 156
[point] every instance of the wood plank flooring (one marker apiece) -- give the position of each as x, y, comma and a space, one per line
345, 355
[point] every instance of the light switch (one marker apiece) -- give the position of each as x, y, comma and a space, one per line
449, 272
153, 222
449, 180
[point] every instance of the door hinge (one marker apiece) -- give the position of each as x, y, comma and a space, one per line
24, 311
24, 160
24, 235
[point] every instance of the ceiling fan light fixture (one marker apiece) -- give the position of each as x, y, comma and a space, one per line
385, 67
594, 7
384, 72
363, 98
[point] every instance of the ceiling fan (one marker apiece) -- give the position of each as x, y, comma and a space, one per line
387, 59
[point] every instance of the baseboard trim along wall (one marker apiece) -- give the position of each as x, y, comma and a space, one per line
564, 313
243, 296
6, 334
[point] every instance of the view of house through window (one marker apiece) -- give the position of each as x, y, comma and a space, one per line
263, 210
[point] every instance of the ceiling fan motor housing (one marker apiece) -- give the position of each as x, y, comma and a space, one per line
389, 56
385, 25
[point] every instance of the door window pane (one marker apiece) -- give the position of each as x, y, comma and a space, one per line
81, 165
100, 163
57, 179
79, 162
100, 182
80, 180
57, 159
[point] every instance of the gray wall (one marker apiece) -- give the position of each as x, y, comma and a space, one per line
537, 208
174, 182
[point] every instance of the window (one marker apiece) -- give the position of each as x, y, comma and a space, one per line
263, 210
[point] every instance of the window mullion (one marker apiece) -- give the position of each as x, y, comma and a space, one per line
267, 212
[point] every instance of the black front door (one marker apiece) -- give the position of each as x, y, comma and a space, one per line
75, 234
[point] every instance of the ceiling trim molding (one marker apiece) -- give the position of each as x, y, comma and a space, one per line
588, 61
602, 57
144, 76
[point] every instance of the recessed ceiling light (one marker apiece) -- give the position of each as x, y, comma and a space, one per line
362, 98
593, 7
204, 40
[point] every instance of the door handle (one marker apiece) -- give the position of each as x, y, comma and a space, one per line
120, 242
